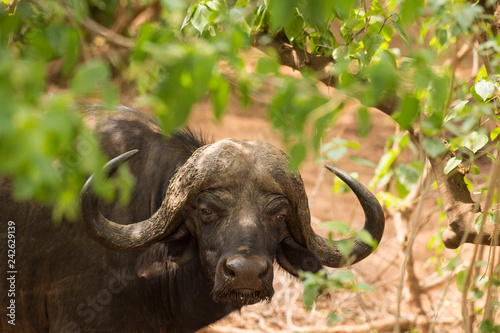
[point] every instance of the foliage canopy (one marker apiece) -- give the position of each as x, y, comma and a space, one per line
399, 56
174, 54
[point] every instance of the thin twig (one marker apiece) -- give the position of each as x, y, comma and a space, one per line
468, 281
437, 311
315, 190
488, 308
108, 34
422, 190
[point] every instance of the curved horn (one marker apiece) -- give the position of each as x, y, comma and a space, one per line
374, 224
113, 235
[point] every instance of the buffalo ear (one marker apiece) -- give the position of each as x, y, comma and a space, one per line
294, 258
167, 255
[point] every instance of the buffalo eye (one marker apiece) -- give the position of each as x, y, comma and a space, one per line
206, 212
280, 217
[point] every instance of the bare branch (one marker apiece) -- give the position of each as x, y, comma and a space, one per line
296, 58
461, 211
108, 34
12, 6
300, 60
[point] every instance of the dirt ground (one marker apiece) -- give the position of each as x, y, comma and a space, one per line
286, 313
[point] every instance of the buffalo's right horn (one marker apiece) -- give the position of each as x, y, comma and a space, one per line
113, 235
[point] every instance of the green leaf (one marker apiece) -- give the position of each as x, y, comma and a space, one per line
479, 220
281, 12
200, 18
219, 96
362, 161
309, 295
452, 164
389, 58
408, 111
241, 3
345, 246
297, 155
365, 287
476, 294
366, 237
384, 165
336, 154
408, 175
387, 32
401, 190
89, 77
475, 141
317, 13
401, 31
484, 89
343, 276
456, 110
411, 10
110, 95
469, 185
294, 27
334, 318
481, 263
493, 158
266, 65
218, 6
481, 74
71, 50
364, 121
244, 88
321, 125
438, 99
488, 326
433, 147
452, 264
343, 8
372, 43
352, 145
461, 278
39, 45
494, 133
377, 8
189, 14
474, 170
338, 226
383, 79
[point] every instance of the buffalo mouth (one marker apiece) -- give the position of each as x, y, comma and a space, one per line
240, 297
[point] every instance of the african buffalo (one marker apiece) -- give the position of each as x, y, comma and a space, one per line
198, 240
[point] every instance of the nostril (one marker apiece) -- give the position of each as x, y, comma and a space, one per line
264, 267
229, 271
263, 273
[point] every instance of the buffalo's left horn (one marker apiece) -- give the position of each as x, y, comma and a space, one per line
374, 223
113, 235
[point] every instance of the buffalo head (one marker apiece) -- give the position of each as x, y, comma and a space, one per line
238, 208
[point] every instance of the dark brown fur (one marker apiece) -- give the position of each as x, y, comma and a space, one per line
66, 282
